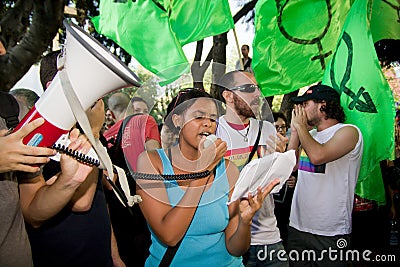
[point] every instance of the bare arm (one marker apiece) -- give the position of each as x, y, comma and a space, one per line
39, 201
84, 194
116, 258
294, 143
343, 141
83, 197
168, 223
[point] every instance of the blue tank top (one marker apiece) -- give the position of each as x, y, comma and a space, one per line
204, 242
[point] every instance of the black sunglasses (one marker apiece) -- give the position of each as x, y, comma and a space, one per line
246, 88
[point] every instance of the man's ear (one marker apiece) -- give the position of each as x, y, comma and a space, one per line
323, 107
228, 96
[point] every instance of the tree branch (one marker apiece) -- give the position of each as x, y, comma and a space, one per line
15, 22
241, 13
46, 20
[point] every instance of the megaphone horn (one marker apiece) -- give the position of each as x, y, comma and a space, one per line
93, 72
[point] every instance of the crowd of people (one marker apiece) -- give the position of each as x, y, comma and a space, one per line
57, 211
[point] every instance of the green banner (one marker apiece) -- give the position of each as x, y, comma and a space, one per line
142, 28
194, 20
385, 20
294, 42
365, 96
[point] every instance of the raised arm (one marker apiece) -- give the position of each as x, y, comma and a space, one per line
39, 201
168, 223
83, 197
343, 141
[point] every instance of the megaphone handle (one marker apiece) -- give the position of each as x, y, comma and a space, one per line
76, 155
83, 121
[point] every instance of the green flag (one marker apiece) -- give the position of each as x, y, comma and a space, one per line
365, 97
294, 42
193, 20
142, 28
385, 20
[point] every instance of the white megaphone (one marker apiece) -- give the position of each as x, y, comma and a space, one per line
93, 71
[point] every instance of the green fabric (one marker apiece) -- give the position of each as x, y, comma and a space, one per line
286, 42
142, 28
385, 20
194, 20
365, 97
153, 32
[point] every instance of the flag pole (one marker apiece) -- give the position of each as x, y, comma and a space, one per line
238, 49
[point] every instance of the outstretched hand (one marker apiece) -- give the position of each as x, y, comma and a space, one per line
16, 156
250, 205
277, 143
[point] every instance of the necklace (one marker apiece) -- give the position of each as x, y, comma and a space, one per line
245, 139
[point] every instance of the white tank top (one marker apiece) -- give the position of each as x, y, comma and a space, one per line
324, 194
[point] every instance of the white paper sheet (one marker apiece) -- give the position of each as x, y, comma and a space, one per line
260, 172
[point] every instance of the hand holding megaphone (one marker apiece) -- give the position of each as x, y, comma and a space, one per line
213, 151
15, 156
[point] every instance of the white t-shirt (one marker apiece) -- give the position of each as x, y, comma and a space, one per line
239, 66
324, 194
263, 229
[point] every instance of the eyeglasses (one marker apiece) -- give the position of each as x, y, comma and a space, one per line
281, 128
246, 88
184, 91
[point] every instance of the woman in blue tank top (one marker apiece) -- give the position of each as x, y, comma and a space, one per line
196, 211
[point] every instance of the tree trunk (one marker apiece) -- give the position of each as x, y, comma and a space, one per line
269, 100
219, 61
198, 70
46, 20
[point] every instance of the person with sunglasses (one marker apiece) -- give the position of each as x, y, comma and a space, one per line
239, 128
193, 213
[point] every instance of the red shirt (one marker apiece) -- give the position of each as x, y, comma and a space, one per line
137, 131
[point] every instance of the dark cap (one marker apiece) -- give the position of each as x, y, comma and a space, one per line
318, 92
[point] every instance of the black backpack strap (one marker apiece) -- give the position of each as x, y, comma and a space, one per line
9, 109
255, 146
118, 139
171, 251
169, 255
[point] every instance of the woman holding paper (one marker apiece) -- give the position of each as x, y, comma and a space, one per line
193, 213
